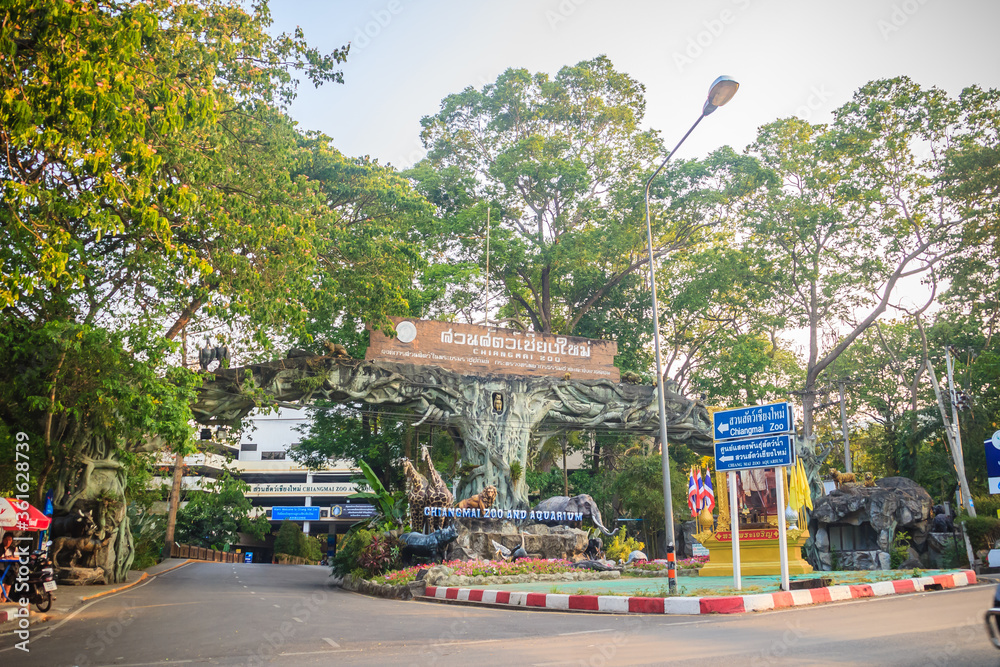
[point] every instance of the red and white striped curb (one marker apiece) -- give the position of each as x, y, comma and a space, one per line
733, 604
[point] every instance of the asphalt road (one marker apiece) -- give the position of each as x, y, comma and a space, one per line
223, 614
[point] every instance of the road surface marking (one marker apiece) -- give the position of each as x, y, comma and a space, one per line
296, 619
584, 632
330, 641
480, 641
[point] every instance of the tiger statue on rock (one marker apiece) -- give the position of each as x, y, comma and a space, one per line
481, 501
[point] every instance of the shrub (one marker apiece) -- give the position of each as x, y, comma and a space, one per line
380, 554
483, 568
347, 559
983, 531
289, 539
623, 545
899, 551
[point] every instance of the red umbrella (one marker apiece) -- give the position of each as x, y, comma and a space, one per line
20, 515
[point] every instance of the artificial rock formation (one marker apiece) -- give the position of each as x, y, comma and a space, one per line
489, 440
893, 503
475, 540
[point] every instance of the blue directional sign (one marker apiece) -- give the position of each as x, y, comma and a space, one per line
993, 462
752, 421
295, 513
767, 452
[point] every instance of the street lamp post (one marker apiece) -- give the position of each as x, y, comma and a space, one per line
722, 91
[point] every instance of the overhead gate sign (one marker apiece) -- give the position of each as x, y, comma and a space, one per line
479, 350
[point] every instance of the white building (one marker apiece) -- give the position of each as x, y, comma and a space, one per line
279, 487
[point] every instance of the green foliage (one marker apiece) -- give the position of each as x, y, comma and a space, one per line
987, 506
347, 559
622, 545
215, 517
515, 471
379, 555
543, 485
289, 539
899, 550
353, 433
983, 531
77, 390
559, 161
148, 532
391, 507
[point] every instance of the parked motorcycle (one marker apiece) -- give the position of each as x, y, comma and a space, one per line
41, 579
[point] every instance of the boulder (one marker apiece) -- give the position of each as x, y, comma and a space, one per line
475, 540
893, 503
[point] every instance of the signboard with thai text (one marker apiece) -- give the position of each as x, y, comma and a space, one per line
303, 489
753, 421
353, 511
748, 535
772, 452
299, 513
481, 350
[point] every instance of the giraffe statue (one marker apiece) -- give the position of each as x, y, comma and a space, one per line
416, 495
438, 493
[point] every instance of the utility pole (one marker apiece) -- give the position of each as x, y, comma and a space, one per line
953, 445
843, 425
954, 406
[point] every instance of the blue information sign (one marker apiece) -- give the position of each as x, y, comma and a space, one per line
993, 462
769, 452
295, 513
752, 421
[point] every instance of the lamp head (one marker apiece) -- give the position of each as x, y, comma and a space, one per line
722, 91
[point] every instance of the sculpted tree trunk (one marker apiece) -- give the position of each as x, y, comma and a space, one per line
492, 417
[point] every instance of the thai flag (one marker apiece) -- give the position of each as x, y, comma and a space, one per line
693, 494
700, 489
707, 492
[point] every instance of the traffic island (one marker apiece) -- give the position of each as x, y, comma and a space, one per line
693, 605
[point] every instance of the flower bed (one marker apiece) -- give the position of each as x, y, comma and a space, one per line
658, 568
482, 568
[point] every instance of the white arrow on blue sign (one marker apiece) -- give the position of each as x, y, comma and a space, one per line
767, 452
752, 421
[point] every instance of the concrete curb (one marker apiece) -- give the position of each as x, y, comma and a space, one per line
734, 604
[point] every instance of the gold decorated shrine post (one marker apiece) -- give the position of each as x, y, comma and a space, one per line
759, 548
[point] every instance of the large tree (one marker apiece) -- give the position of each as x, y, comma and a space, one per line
152, 182
557, 164
858, 207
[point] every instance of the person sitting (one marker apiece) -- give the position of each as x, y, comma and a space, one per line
7, 552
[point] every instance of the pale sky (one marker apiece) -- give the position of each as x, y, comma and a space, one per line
791, 58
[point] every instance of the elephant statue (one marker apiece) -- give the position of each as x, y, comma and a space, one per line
581, 504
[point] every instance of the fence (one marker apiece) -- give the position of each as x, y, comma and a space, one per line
201, 553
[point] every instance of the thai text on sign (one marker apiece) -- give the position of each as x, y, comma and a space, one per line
759, 534
470, 348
